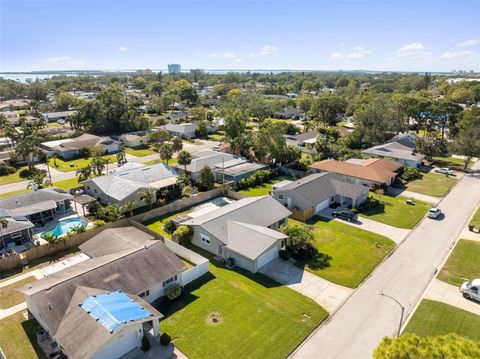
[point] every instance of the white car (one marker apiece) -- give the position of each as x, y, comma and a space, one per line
434, 213
471, 290
445, 171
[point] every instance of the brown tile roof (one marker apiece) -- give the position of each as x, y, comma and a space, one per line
373, 169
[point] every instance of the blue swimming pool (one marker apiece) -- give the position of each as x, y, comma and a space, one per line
65, 226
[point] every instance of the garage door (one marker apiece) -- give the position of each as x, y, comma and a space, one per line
267, 257
322, 205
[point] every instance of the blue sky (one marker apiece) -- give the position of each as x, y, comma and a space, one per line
406, 35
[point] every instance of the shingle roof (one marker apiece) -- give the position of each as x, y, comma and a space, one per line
17, 224
375, 169
303, 136
210, 159
394, 150
33, 202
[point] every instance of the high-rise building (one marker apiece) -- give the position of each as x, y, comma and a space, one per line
174, 69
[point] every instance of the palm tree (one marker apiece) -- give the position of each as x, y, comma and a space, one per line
148, 197
177, 144
129, 207
121, 157
184, 158
166, 152
83, 173
3, 224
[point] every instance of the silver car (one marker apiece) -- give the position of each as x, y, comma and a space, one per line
471, 290
434, 213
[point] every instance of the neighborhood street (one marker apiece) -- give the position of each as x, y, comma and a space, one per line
358, 326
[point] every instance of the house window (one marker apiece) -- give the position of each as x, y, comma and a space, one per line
144, 294
280, 196
169, 281
205, 238
88, 187
95, 191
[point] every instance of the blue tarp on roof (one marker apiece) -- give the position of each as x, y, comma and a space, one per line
114, 309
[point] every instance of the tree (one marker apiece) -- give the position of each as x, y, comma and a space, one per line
149, 197
177, 144
467, 141
166, 152
64, 101
300, 234
410, 346
270, 144
98, 164
327, 108
128, 206
431, 146
28, 147
83, 173
205, 178
3, 225
159, 137
109, 213
183, 235
121, 157
188, 191
184, 158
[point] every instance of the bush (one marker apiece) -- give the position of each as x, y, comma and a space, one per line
369, 204
6, 170
145, 344
169, 226
183, 235
304, 252
109, 213
408, 174
173, 292
165, 339
99, 223
256, 179
285, 254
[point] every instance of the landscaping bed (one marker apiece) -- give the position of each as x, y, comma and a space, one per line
346, 254
463, 263
393, 211
432, 184
9, 296
435, 318
236, 314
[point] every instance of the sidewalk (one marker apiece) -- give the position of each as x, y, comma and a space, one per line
449, 294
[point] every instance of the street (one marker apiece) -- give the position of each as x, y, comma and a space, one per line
356, 329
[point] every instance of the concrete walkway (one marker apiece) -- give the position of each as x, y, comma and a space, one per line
409, 194
449, 294
329, 295
395, 234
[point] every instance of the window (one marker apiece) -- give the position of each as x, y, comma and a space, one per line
95, 191
169, 281
280, 196
205, 238
144, 294
88, 187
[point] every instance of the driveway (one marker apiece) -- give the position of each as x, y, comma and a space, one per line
449, 294
356, 329
395, 234
421, 197
329, 295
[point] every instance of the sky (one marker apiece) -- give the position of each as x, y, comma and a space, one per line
381, 35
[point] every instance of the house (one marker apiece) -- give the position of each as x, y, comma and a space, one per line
16, 233
400, 149
12, 117
56, 116
14, 104
225, 167
100, 308
134, 139
176, 116
182, 130
39, 206
245, 230
302, 141
310, 195
129, 183
74, 147
370, 172
290, 114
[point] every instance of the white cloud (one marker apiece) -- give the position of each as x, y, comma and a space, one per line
268, 50
358, 52
224, 55
468, 43
450, 55
64, 62
122, 49
410, 48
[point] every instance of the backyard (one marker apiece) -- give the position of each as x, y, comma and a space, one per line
74, 164
463, 264
432, 184
235, 314
346, 254
9, 296
18, 337
435, 318
157, 224
263, 189
395, 212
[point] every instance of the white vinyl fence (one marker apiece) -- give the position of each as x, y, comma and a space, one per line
201, 263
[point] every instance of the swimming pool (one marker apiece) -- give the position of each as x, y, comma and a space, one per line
65, 226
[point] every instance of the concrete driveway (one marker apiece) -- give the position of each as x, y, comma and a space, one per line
329, 295
395, 234
449, 294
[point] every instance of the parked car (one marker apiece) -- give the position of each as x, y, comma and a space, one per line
434, 213
445, 171
471, 290
346, 215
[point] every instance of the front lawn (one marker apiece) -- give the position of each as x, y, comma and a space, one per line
395, 212
171, 162
453, 162
74, 164
435, 318
236, 314
14, 177
18, 337
65, 185
263, 189
463, 264
9, 296
475, 221
139, 151
432, 184
346, 254
13, 193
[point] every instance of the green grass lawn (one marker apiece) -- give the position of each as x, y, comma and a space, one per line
264, 189
433, 184
65, 185
13, 178
157, 224
463, 264
9, 296
435, 318
475, 221
257, 317
346, 254
153, 162
216, 137
64, 165
395, 212
139, 151
13, 193
18, 337
451, 162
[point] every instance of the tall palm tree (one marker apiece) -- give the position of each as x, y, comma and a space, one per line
83, 173
166, 152
129, 207
148, 197
184, 158
3, 224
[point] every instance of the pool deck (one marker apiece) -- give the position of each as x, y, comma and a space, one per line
52, 224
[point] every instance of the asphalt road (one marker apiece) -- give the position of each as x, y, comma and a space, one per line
356, 329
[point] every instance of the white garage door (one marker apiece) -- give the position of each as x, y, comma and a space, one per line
267, 257
322, 205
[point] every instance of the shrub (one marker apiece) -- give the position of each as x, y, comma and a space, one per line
173, 292
165, 339
169, 226
369, 204
304, 252
183, 235
99, 223
145, 344
6, 170
285, 254
408, 173
109, 213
